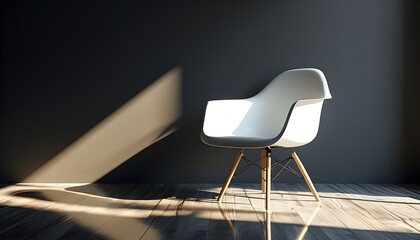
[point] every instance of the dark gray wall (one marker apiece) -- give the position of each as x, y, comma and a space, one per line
411, 154
66, 66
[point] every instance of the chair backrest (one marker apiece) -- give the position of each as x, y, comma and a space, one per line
289, 107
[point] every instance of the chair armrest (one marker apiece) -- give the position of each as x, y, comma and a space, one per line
223, 117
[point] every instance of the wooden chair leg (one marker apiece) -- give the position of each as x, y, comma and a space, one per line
230, 175
306, 176
268, 180
268, 226
263, 168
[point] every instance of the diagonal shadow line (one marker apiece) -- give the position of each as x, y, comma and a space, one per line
148, 117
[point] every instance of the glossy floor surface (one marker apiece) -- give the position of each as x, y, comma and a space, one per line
190, 211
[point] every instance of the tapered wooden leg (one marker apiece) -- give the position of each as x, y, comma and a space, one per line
263, 168
268, 226
268, 180
305, 176
230, 175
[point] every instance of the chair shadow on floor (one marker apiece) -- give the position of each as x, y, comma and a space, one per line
173, 223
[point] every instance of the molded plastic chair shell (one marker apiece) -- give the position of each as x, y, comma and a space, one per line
285, 113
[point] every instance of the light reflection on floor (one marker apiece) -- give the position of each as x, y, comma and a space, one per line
159, 212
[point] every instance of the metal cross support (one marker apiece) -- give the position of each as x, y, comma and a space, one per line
284, 164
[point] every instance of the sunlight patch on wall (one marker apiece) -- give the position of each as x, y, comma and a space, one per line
142, 121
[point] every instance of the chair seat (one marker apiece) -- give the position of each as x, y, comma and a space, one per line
239, 141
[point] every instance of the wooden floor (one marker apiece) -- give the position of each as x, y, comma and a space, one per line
190, 211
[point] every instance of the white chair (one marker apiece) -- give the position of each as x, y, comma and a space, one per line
285, 113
